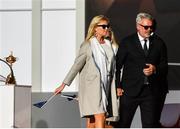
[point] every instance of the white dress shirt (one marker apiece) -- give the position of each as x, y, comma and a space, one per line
141, 39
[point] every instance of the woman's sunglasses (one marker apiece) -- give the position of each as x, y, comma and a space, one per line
104, 26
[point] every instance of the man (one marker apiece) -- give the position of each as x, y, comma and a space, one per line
143, 57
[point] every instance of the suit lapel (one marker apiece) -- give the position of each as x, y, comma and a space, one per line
138, 44
150, 44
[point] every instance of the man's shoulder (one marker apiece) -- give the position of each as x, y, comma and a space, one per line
158, 39
130, 38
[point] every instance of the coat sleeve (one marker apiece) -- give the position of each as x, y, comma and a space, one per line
78, 64
120, 58
162, 67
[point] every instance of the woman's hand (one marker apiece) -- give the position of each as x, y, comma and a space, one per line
59, 89
120, 92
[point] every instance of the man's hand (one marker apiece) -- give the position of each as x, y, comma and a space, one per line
149, 70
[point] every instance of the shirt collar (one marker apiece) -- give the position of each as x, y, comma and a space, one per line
140, 37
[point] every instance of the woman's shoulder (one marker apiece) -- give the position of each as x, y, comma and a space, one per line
85, 45
85, 42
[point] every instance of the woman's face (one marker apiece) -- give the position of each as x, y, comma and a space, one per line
102, 28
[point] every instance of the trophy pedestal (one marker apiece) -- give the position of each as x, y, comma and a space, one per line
15, 106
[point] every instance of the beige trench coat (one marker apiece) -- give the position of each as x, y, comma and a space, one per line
89, 94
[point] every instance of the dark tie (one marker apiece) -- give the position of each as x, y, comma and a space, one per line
145, 47
146, 81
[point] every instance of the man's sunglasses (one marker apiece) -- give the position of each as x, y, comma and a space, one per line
104, 26
147, 27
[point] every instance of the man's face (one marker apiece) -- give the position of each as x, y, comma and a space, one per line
145, 27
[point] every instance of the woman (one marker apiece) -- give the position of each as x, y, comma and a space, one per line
96, 66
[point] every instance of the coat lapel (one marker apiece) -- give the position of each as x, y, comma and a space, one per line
139, 47
138, 44
150, 44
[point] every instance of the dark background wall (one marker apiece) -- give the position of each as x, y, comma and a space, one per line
122, 14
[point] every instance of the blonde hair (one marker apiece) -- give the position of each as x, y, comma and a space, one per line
94, 22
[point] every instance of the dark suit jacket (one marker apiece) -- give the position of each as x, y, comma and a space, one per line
131, 57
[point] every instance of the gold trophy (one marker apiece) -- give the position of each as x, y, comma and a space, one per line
9, 61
